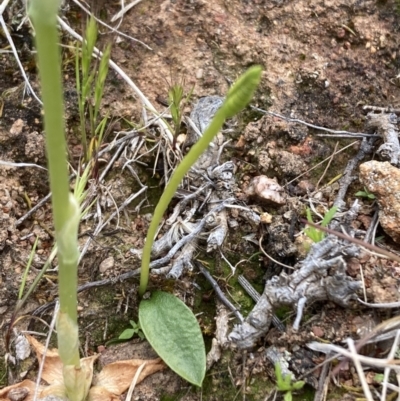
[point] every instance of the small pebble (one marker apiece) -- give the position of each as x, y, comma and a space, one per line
107, 264
317, 331
18, 394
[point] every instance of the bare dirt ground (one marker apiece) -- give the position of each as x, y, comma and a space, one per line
323, 61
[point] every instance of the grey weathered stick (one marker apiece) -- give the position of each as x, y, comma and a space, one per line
221, 296
385, 125
366, 148
251, 291
373, 248
33, 210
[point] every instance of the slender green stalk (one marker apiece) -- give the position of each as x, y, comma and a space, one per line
36, 281
27, 268
184, 166
237, 98
81, 103
43, 14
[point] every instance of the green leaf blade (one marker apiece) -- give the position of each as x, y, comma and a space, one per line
298, 385
329, 216
288, 396
127, 334
173, 331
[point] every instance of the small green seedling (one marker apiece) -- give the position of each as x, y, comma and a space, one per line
133, 331
285, 384
366, 194
90, 83
379, 377
177, 100
312, 232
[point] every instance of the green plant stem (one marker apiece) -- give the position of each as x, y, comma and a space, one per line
81, 103
44, 16
195, 152
238, 96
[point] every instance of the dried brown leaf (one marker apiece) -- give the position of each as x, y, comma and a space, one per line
27, 386
117, 377
111, 382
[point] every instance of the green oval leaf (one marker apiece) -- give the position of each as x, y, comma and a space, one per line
127, 334
173, 331
298, 385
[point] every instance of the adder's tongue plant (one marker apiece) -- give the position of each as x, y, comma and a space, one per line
168, 324
237, 98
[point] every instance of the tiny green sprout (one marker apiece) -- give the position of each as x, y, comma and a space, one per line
366, 194
127, 334
177, 100
90, 83
312, 232
284, 383
27, 268
379, 377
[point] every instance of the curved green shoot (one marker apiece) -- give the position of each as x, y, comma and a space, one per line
27, 268
237, 99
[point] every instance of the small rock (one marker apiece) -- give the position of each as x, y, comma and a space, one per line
382, 41
304, 187
365, 220
16, 128
280, 242
240, 143
233, 224
106, 264
290, 164
317, 331
34, 148
340, 33
18, 394
266, 218
22, 348
353, 267
181, 138
266, 189
303, 245
264, 161
383, 180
